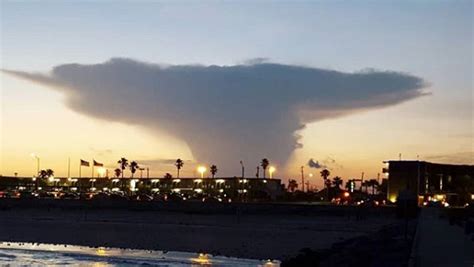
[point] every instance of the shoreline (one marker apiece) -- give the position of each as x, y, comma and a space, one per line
214, 229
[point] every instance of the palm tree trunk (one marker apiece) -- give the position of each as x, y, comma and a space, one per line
178, 173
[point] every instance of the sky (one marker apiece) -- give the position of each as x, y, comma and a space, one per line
50, 108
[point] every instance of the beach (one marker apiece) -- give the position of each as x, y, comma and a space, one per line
255, 232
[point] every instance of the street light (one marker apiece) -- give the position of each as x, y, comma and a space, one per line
101, 171
201, 170
33, 155
271, 170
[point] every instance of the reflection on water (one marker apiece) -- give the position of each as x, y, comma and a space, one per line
28, 254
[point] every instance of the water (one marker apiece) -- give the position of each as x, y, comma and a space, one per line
28, 254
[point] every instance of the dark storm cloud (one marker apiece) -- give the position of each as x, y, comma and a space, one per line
327, 163
225, 113
315, 164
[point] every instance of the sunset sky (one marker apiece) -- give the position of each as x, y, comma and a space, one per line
349, 131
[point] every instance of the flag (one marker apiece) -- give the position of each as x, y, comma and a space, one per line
97, 164
84, 163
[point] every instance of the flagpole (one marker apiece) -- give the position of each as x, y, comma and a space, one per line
69, 167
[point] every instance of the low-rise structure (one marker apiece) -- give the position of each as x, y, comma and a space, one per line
230, 187
429, 180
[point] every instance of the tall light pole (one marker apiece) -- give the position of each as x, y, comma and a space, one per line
33, 155
201, 170
243, 169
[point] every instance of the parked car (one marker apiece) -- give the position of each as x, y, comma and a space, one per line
28, 195
118, 196
100, 196
45, 195
141, 197
69, 195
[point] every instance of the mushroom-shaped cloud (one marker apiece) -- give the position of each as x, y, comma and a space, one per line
225, 113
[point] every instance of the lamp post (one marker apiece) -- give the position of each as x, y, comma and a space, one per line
33, 155
271, 170
201, 170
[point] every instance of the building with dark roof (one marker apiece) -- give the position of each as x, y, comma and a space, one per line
230, 187
428, 180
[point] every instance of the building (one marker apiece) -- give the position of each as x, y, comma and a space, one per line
429, 180
229, 187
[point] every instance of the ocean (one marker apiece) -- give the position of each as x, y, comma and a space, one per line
36, 254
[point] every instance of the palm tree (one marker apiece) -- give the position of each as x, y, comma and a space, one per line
43, 174
179, 164
292, 185
213, 170
118, 172
123, 164
133, 167
49, 173
168, 176
337, 182
328, 184
325, 174
265, 162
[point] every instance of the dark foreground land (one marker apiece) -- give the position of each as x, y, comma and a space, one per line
259, 231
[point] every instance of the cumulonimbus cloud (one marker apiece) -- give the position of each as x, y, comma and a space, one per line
225, 113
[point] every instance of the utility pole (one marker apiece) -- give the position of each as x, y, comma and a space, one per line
68, 167
302, 178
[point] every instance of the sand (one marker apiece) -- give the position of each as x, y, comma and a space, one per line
256, 236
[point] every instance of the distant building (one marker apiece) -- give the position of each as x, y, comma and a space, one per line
428, 180
233, 187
